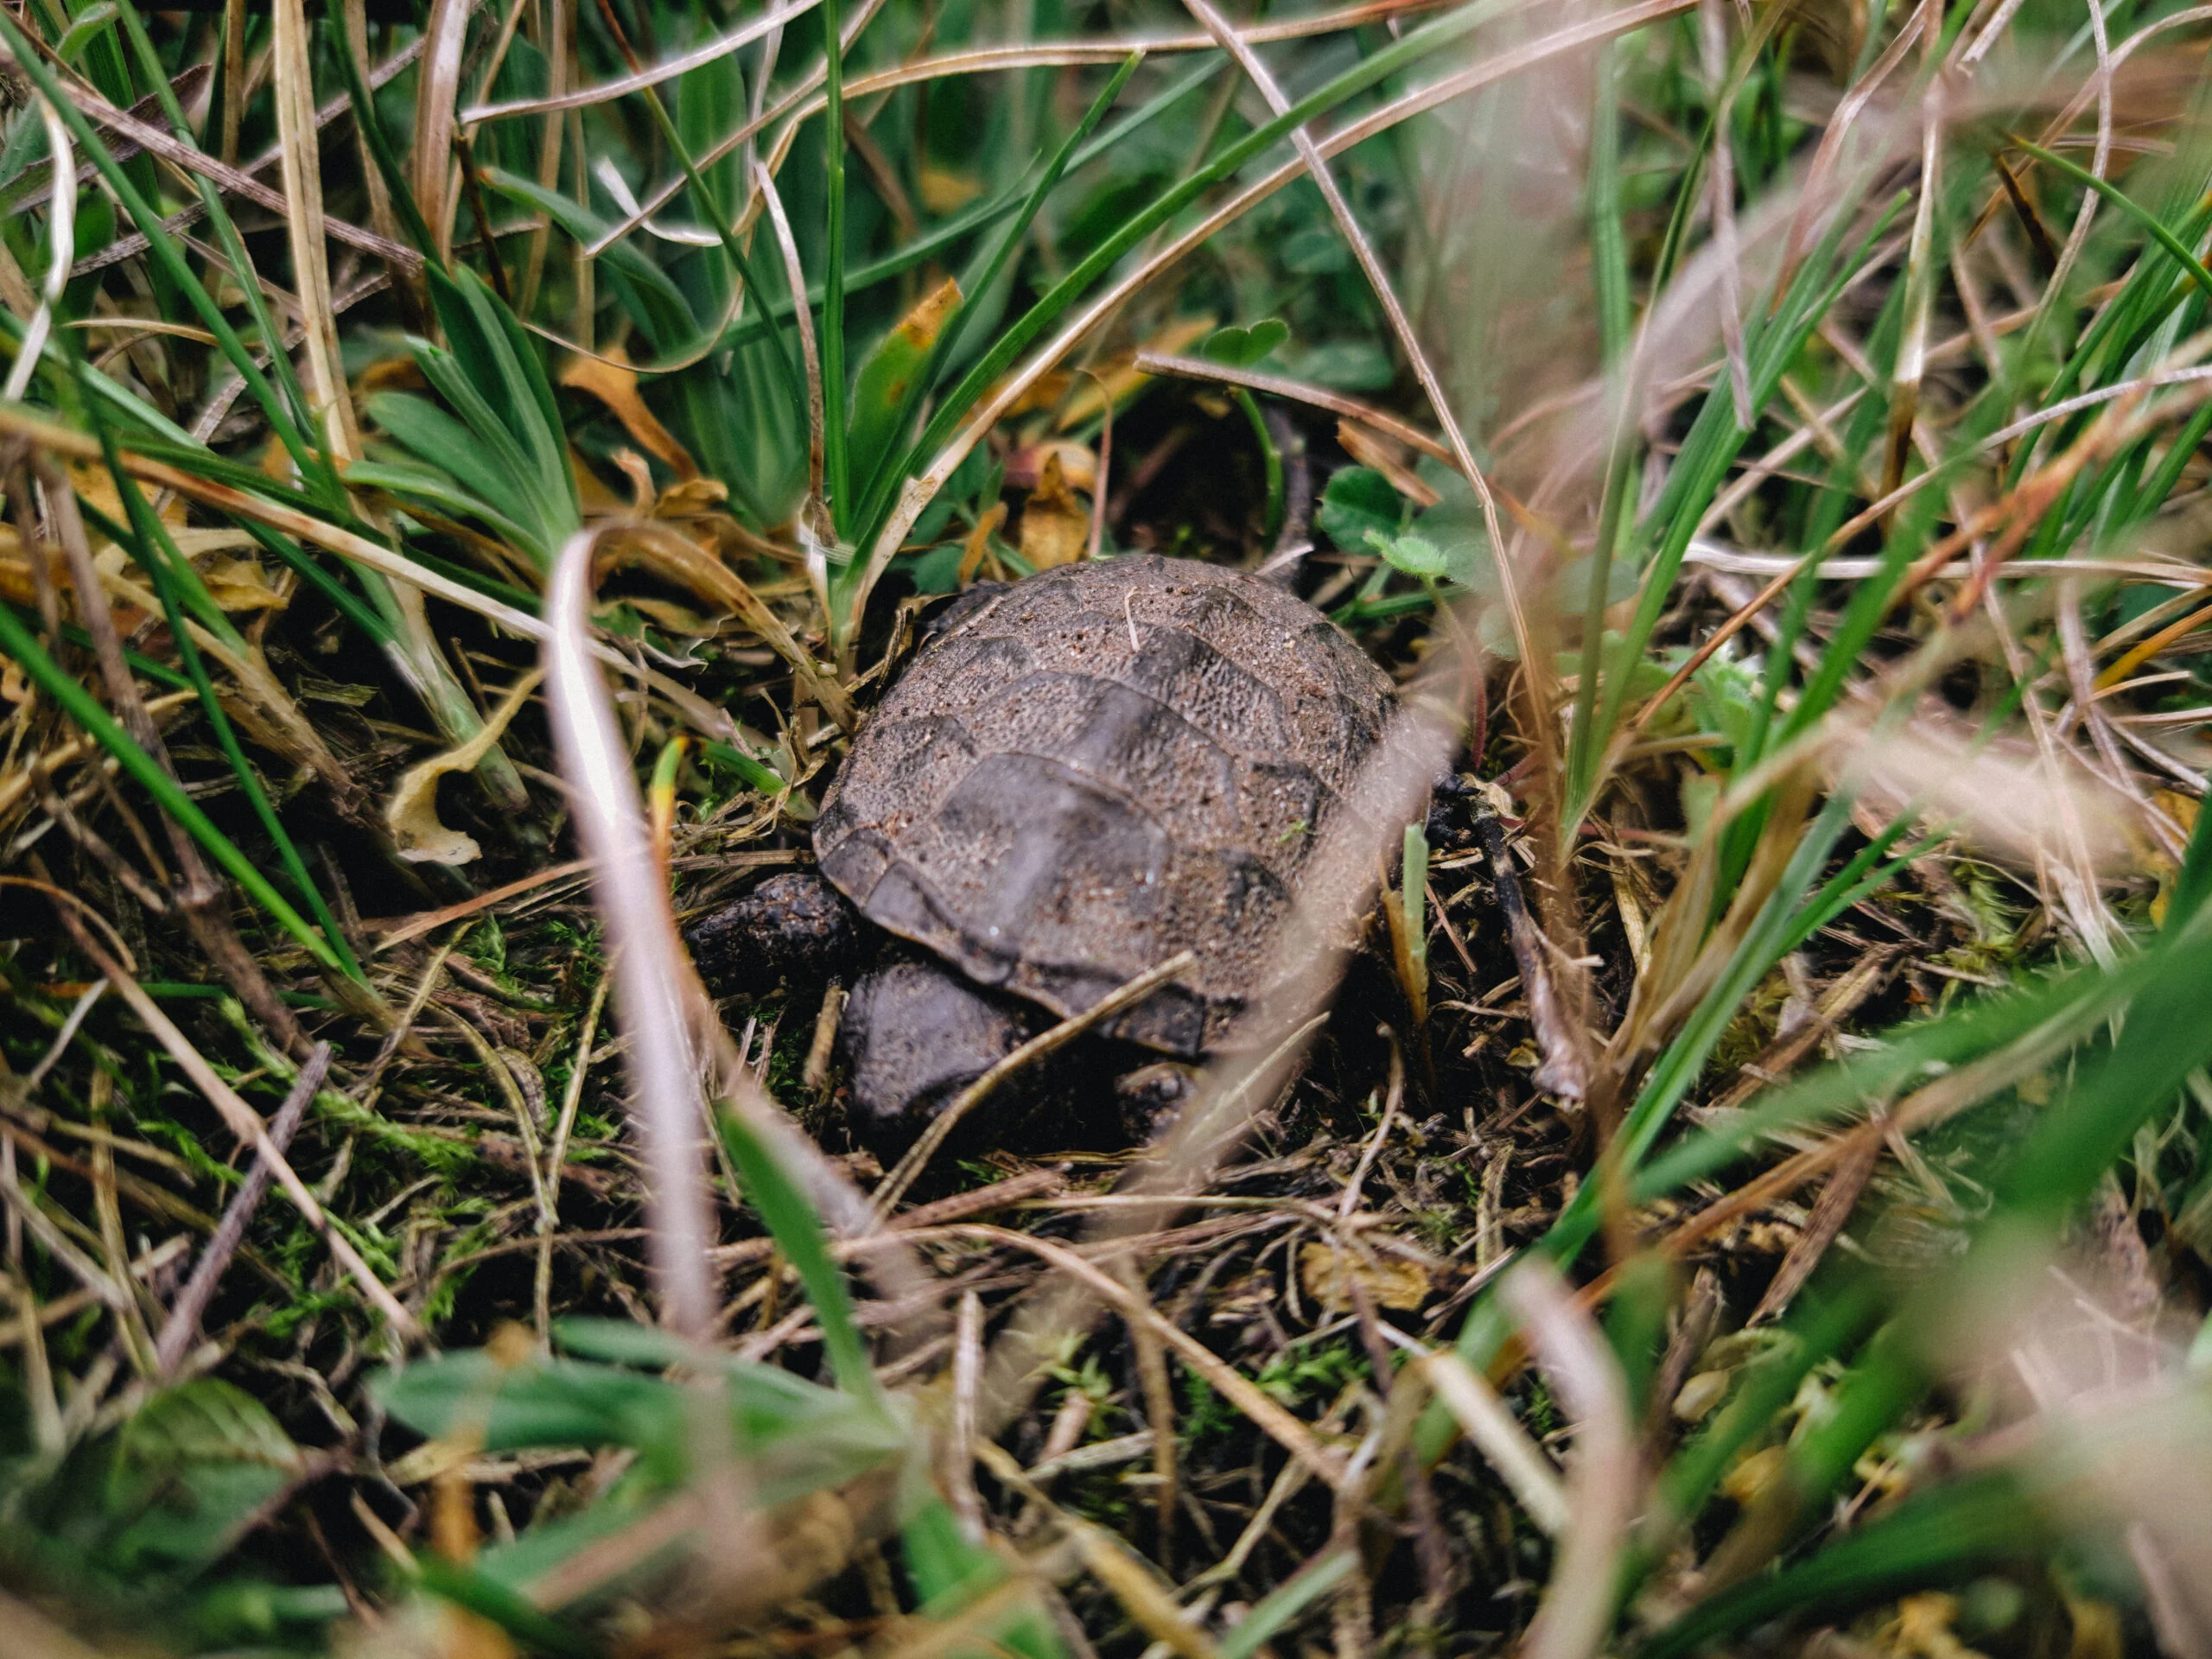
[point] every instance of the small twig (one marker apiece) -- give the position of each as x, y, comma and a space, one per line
1348, 1202
1277, 385
910, 1167
1287, 1430
185, 1313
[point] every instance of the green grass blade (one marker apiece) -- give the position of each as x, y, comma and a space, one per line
241, 262
1982, 1520
886, 476
798, 1231
1275, 1612
18, 642
984, 215
2152, 226
161, 557
1403, 54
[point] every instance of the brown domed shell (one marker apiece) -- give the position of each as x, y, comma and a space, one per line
1100, 767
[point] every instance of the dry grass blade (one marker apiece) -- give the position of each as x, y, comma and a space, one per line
1276, 386
1402, 328
178, 154
131, 246
817, 535
62, 225
294, 73
1497, 1434
606, 92
1577, 1606
1286, 1430
650, 969
1919, 298
1838, 1197
1046, 1042
805, 101
1713, 36
29, 1634
444, 35
664, 549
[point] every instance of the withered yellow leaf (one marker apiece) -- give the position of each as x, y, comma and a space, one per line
615, 383
411, 814
1328, 1273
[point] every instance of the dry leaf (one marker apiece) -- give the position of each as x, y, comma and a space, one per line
918, 329
1754, 1474
979, 545
694, 497
592, 493
1923, 1629
1701, 1393
944, 191
411, 814
1055, 526
1328, 1273
1044, 391
240, 585
2181, 809
1025, 465
615, 383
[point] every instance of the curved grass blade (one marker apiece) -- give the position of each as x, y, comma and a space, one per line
1401, 55
984, 215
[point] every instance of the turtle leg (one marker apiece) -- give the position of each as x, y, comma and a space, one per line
794, 928
915, 1033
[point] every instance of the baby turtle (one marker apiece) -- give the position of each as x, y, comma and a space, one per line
1079, 776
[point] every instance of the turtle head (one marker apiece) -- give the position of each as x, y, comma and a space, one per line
794, 929
915, 1033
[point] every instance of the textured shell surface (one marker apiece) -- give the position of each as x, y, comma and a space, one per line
1100, 767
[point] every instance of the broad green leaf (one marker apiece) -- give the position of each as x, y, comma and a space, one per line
449, 449
1415, 555
1358, 500
190, 1469
1245, 348
890, 375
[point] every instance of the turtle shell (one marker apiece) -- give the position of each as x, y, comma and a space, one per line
1097, 768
